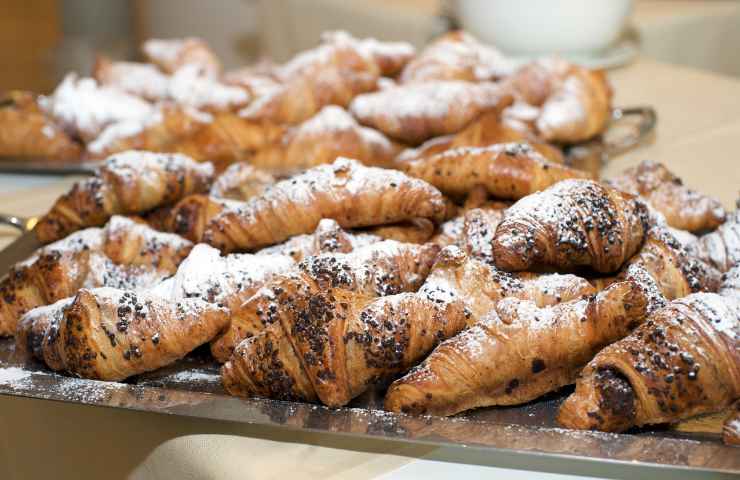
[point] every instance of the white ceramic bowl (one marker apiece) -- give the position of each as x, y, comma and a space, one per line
545, 26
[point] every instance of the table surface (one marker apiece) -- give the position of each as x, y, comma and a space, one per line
698, 128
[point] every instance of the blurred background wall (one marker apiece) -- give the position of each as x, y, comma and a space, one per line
42, 39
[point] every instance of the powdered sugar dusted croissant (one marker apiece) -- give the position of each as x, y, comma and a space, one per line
511, 171
346, 191
130, 182
681, 206
329, 134
457, 56
682, 362
721, 248
416, 112
573, 223
517, 353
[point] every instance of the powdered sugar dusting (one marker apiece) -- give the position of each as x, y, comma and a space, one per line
84, 108
192, 87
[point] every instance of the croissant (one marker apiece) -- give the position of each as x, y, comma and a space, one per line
83, 109
167, 126
227, 138
457, 55
682, 362
457, 276
122, 255
35, 331
329, 134
575, 103
328, 237
517, 354
111, 334
141, 79
486, 130
512, 170
721, 248
172, 54
378, 269
573, 223
346, 191
25, 130
130, 182
331, 74
241, 181
682, 207
416, 112
332, 345
189, 217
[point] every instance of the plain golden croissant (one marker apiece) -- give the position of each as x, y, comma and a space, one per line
130, 182
416, 112
683, 361
331, 345
346, 191
721, 248
457, 55
123, 255
681, 206
383, 268
227, 138
26, 131
488, 129
172, 54
329, 134
112, 334
573, 223
574, 102
241, 181
327, 238
331, 74
518, 353
511, 171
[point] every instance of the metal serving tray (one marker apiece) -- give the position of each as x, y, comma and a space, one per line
192, 387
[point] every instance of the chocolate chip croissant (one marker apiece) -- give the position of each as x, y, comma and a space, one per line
681, 206
517, 353
378, 269
124, 254
111, 334
130, 182
346, 191
682, 362
332, 345
508, 171
573, 223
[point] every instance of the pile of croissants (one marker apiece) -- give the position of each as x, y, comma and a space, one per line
430, 238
